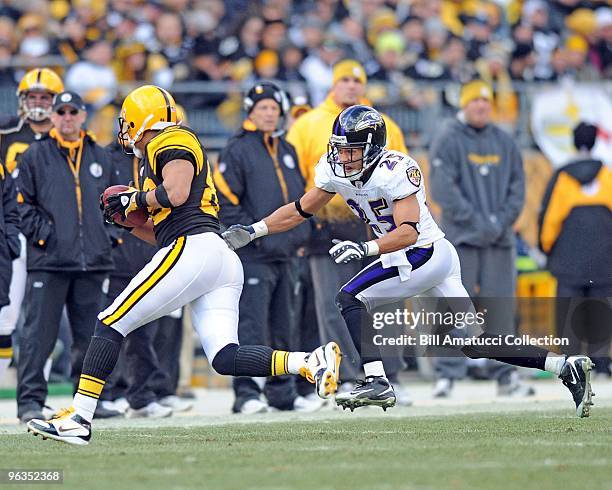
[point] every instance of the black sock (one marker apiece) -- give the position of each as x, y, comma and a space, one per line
101, 358
518, 355
249, 360
360, 325
6, 341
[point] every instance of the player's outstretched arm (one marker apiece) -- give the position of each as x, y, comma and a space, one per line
283, 219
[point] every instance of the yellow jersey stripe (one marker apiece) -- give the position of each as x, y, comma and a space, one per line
175, 137
149, 283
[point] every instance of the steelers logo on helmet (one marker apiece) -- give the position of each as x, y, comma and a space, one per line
146, 108
359, 136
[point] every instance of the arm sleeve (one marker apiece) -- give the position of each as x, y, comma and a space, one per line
515, 198
230, 182
35, 226
12, 219
444, 179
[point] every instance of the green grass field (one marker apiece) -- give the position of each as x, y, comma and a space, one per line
485, 450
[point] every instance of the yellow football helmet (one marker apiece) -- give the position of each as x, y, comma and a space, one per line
146, 108
42, 80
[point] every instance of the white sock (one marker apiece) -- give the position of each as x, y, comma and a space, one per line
85, 406
374, 369
296, 361
4, 364
554, 363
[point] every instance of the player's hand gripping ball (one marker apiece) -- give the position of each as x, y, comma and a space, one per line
112, 213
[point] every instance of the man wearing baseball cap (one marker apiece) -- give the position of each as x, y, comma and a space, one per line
310, 135
60, 179
258, 171
477, 179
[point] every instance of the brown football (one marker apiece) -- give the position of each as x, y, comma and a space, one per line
135, 218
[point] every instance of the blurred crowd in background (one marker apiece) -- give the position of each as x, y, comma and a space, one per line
104, 46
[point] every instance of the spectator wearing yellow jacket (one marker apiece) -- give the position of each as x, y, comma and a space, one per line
310, 135
575, 229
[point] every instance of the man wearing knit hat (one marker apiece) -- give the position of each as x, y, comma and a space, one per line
258, 172
477, 179
310, 135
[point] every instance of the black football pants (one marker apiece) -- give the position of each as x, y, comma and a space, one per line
46, 295
267, 317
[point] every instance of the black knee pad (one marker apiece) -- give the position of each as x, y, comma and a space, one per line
346, 301
225, 360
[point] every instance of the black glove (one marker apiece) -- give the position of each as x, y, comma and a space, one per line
125, 202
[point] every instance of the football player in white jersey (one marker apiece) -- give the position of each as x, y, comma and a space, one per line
385, 189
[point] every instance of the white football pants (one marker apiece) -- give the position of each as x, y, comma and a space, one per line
196, 270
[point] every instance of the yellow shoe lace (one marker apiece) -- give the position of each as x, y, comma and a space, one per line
63, 413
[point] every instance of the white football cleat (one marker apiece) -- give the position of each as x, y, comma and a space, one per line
443, 388
324, 367
176, 404
66, 426
308, 404
253, 406
152, 411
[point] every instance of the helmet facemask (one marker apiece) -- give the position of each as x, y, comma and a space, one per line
33, 110
127, 142
361, 156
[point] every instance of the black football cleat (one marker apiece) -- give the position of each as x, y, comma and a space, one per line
576, 376
375, 390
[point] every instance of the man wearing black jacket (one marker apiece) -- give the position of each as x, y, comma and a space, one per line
258, 171
69, 250
575, 230
9, 250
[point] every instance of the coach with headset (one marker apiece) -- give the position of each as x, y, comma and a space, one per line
257, 172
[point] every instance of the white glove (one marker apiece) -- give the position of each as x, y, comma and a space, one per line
345, 251
237, 236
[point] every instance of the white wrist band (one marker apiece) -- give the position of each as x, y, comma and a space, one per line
372, 248
261, 229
